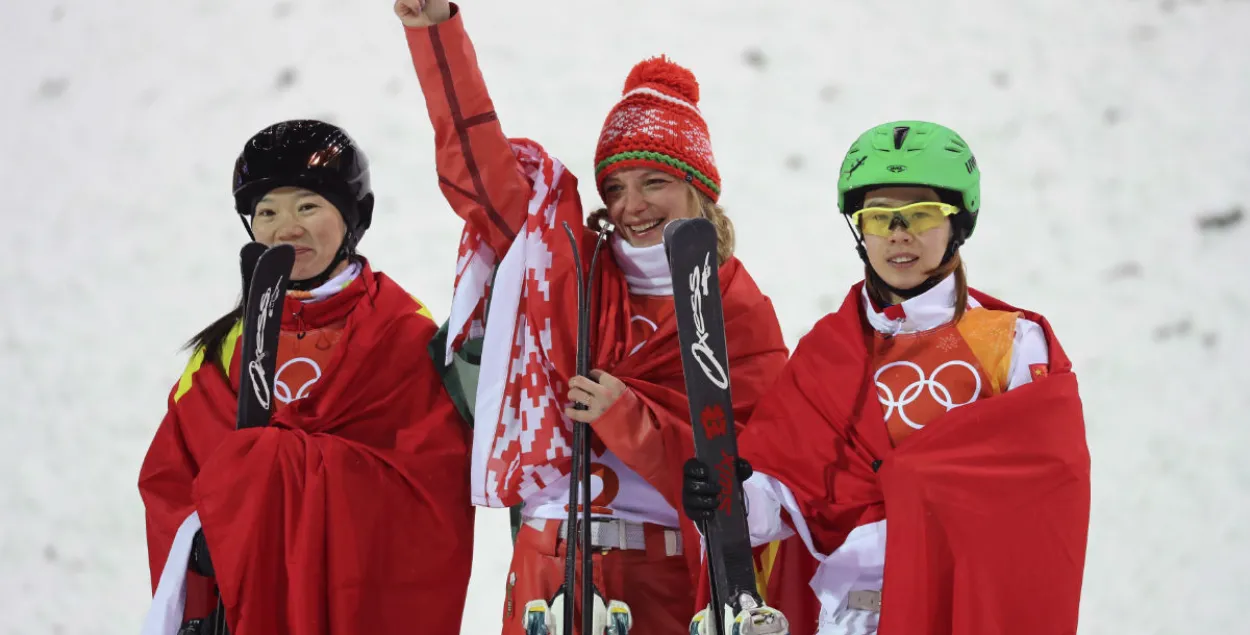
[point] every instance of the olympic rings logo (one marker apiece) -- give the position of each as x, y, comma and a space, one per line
654, 327
282, 391
940, 393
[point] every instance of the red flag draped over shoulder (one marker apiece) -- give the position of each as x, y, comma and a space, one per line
350, 513
988, 506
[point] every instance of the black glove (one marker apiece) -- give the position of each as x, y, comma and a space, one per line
201, 562
700, 493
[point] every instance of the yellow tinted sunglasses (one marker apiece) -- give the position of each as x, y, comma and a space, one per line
914, 219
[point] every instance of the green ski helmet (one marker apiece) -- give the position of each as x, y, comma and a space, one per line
914, 153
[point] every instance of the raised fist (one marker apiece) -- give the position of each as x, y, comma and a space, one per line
420, 13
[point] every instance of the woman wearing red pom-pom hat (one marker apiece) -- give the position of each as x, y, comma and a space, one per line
653, 164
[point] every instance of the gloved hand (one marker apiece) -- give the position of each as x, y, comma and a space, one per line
700, 492
201, 563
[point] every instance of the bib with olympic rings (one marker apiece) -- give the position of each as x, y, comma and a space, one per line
302, 358
921, 376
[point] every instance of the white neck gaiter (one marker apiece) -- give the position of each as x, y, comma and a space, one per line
645, 268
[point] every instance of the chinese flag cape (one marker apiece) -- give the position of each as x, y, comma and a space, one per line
350, 513
988, 506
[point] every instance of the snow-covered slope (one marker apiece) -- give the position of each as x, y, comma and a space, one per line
1107, 131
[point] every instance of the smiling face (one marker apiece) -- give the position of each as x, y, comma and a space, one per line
305, 220
641, 201
905, 260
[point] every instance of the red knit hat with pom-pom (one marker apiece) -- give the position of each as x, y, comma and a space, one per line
657, 124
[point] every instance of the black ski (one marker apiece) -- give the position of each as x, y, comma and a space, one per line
262, 321
691, 247
266, 274
248, 257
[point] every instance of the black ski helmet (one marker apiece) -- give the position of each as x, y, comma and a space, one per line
313, 155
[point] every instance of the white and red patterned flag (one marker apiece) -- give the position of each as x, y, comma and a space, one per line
521, 439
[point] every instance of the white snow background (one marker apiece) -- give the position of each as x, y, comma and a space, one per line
1107, 131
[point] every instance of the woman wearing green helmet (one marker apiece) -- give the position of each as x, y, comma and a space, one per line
912, 192
884, 412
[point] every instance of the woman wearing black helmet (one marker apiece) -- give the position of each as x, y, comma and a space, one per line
925, 404
350, 512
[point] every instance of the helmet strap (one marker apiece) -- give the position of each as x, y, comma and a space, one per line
346, 250
247, 227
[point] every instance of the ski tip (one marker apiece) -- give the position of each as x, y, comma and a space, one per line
251, 251
671, 229
687, 225
280, 253
254, 251
684, 228
279, 258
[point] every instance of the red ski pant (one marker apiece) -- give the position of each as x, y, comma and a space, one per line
655, 585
